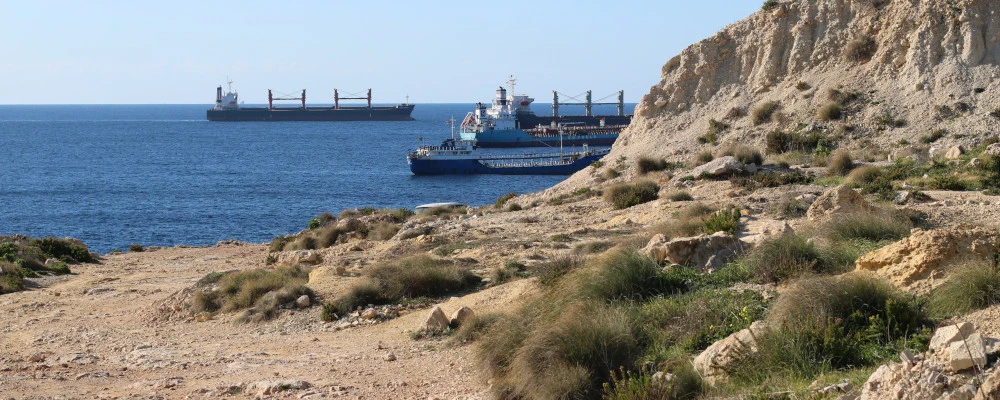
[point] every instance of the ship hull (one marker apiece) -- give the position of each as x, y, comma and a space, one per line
510, 138
425, 166
395, 113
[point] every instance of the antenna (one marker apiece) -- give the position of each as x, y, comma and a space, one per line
511, 82
229, 84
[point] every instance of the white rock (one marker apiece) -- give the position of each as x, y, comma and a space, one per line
436, 321
461, 315
303, 301
968, 353
946, 335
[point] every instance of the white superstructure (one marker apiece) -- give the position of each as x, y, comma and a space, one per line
502, 115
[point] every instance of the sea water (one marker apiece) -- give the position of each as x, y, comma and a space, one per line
113, 175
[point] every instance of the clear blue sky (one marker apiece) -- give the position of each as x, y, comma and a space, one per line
177, 52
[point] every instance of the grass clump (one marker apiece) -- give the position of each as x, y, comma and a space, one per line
646, 165
688, 221
408, 278
503, 199
770, 179
625, 195
551, 271
781, 258
11, 278
803, 86
777, 142
715, 128
510, 271
875, 226
763, 112
827, 324
680, 195
769, 5
724, 220
840, 163
261, 292
933, 136
861, 49
627, 275
742, 153
830, 112
971, 287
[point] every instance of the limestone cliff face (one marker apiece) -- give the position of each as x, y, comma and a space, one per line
930, 57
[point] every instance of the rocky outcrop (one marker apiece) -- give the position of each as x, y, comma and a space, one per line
922, 261
720, 167
712, 362
700, 252
305, 257
952, 368
838, 201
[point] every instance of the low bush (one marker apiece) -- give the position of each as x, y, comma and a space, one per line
724, 220
11, 278
763, 112
802, 86
789, 208
679, 195
888, 120
510, 270
383, 231
830, 112
646, 165
474, 328
594, 247
702, 157
264, 291
826, 324
874, 226
549, 272
503, 199
841, 162
742, 153
971, 287
777, 142
410, 277
689, 221
770, 179
135, 248
769, 5
989, 172
693, 321
627, 275
947, 182
63, 249
933, 136
781, 258
685, 383
861, 49
625, 195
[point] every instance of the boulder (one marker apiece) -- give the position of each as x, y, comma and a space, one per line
954, 152
696, 251
919, 262
990, 389
836, 201
993, 149
968, 353
461, 315
712, 362
369, 313
436, 321
946, 335
723, 166
303, 301
307, 257
263, 388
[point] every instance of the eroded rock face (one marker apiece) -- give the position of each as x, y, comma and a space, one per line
703, 251
307, 257
921, 262
837, 201
711, 363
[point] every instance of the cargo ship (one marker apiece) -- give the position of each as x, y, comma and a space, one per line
228, 108
509, 122
455, 157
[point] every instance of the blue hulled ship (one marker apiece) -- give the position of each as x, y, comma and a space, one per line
509, 122
461, 157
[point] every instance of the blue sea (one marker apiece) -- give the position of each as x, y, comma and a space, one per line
113, 175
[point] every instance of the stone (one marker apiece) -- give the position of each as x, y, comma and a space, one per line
722, 166
993, 149
307, 257
369, 313
954, 152
903, 198
990, 389
303, 301
975, 162
390, 357
968, 353
263, 388
713, 360
436, 321
49, 262
203, 316
911, 263
807, 198
695, 251
908, 357
837, 201
948, 334
461, 315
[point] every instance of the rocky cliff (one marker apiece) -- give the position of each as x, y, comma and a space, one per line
907, 67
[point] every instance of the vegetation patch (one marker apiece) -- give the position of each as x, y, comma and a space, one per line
408, 278
840, 163
742, 153
777, 142
781, 258
830, 112
763, 112
688, 221
503, 199
25, 257
752, 182
260, 293
646, 165
875, 226
724, 220
971, 287
861, 49
933, 136
625, 195
679, 195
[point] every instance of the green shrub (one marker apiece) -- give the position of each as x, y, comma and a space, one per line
744, 154
510, 270
947, 182
279, 243
685, 383
933, 136
263, 291
627, 275
861, 49
875, 226
826, 324
646, 165
840, 163
11, 278
770, 179
680, 195
989, 176
763, 112
135, 248
802, 86
780, 258
8, 251
503, 199
689, 221
626, 195
63, 249
769, 5
410, 277
888, 120
594, 247
551, 271
724, 220
702, 157
830, 112
777, 142
971, 287
693, 321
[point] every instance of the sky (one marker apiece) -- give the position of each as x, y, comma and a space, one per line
178, 52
